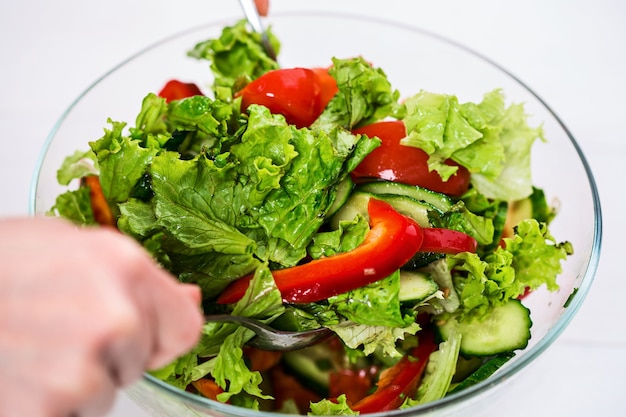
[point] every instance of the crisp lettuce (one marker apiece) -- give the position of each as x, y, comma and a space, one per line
237, 56
78, 165
369, 338
346, 237
338, 407
244, 201
365, 95
434, 123
223, 343
381, 296
491, 140
75, 206
439, 372
532, 258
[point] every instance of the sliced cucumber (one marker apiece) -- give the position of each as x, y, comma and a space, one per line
440, 201
506, 328
311, 366
344, 188
416, 287
358, 201
483, 372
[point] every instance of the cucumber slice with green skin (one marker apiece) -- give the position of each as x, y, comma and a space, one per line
483, 372
440, 201
344, 189
416, 287
358, 201
311, 367
506, 328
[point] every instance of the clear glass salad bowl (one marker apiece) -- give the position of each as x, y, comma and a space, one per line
413, 60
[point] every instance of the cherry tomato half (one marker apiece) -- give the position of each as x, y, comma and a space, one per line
176, 90
396, 162
299, 94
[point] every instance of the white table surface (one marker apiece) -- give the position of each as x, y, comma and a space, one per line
572, 52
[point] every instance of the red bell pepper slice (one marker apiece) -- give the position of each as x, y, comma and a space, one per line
208, 388
394, 161
287, 387
177, 90
355, 384
102, 213
447, 241
391, 242
401, 380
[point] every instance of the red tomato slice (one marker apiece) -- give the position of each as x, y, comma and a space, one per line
176, 90
328, 85
299, 94
407, 164
354, 384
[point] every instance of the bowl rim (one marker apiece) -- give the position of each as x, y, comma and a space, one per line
574, 303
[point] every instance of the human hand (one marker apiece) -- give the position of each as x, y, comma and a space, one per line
83, 312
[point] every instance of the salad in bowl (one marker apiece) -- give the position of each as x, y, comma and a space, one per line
406, 222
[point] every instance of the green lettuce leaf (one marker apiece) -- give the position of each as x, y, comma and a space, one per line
237, 56
537, 256
530, 259
365, 95
222, 343
491, 140
369, 339
262, 300
232, 206
514, 181
79, 164
347, 237
122, 161
434, 123
381, 296
440, 369
74, 206
327, 407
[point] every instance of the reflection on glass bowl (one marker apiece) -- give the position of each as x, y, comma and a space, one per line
413, 60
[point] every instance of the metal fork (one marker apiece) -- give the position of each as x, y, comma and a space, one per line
252, 14
268, 338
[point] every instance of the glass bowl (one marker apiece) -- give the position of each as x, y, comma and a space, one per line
413, 60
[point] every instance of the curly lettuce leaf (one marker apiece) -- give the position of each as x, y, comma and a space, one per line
440, 369
365, 95
122, 162
262, 300
529, 260
514, 181
434, 123
369, 339
74, 206
222, 343
237, 56
346, 237
260, 196
79, 164
380, 297
491, 140
337, 407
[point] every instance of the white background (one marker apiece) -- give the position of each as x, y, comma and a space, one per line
573, 53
